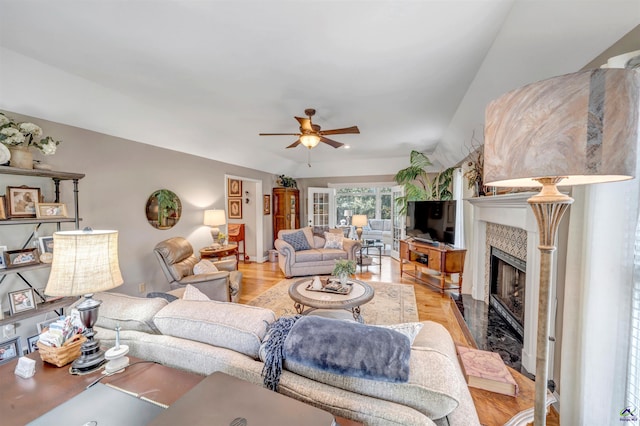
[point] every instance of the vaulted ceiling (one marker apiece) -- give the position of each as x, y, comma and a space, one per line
205, 77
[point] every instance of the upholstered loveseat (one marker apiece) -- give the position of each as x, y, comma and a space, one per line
300, 252
377, 229
208, 336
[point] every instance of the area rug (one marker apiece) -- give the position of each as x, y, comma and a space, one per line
391, 303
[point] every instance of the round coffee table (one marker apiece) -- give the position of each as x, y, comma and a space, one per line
307, 301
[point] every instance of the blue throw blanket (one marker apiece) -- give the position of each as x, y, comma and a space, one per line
336, 346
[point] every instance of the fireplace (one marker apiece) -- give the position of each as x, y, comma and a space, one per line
508, 288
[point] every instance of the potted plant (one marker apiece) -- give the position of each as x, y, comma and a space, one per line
475, 168
418, 186
286, 181
344, 269
20, 137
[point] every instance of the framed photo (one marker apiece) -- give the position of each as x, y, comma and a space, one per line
234, 188
46, 245
45, 324
51, 210
235, 208
3, 211
22, 300
266, 204
10, 349
3, 265
21, 201
24, 257
31, 343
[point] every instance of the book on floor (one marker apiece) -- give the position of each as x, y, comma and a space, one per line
486, 370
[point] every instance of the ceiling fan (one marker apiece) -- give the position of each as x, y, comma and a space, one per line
310, 134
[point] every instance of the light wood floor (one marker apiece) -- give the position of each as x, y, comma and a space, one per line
493, 409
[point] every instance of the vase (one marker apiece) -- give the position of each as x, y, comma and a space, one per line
344, 278
21, 157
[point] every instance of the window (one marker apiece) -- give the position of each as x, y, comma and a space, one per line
374, 201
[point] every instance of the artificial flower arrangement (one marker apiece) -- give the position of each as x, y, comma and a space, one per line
25, 134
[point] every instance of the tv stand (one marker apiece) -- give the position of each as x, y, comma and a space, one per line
441, 261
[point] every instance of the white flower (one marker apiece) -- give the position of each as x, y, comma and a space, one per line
48, 148
31, 129
11, 136
4, 120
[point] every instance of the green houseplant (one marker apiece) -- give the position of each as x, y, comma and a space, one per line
344, 269
167, 202
418, 186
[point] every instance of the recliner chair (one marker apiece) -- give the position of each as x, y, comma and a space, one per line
177, 261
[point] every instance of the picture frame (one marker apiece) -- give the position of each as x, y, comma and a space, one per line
46, 245
234, 208
22, 300
234, 188
32, 341
41, 326
23, 257
266, 204
3, 265
10, 350
21, 201
3, 210
51, 210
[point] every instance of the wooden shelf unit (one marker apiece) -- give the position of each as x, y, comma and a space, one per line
432, 265
41, 309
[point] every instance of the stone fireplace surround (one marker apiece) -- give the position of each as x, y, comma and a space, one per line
507, 221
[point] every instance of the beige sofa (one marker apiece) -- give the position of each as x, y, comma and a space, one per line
377, 229
314, 260
208, 336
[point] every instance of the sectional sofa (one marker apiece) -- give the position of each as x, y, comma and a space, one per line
208, 336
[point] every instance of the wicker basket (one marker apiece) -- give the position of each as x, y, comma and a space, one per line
59, 357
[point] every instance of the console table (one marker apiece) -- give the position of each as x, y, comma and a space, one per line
417, 258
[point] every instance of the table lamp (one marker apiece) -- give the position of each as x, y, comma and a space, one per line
574, 129
214, 218
359, 220
348, 214
85, 262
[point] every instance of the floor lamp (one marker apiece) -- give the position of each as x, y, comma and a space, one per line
574, 129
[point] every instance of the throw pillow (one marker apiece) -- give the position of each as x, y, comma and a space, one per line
297, 240
332, 241
409, 329
192, 293
204, 267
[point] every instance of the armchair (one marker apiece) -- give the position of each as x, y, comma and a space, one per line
177, 261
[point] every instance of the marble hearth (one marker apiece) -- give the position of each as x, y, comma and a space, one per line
507, 222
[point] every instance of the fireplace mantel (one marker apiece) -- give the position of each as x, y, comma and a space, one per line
510, 210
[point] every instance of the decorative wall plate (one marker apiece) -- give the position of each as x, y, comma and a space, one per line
5, 155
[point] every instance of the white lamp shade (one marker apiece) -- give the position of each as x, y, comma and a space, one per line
84, 262
359, 220
214, 217
581, 126
348, 213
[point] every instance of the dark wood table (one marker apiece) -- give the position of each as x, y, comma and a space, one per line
23, 400
221, 252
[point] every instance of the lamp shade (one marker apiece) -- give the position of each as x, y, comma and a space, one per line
214, 217
359, 220
84, 262
309, 140
581, 126
348, 213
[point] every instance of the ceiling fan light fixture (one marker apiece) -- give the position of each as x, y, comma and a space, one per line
310, 141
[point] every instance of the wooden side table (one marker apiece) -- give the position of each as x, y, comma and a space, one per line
219, 253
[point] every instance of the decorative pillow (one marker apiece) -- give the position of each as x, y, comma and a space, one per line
332, 241
409, 329
192, 293
297, 240
226, 325
204, 267
130, 312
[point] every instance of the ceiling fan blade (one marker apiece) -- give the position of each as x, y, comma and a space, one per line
330, 142
305, 123
279, 134
293, 145
352, 129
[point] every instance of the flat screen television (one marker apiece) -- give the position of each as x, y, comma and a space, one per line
432, 221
